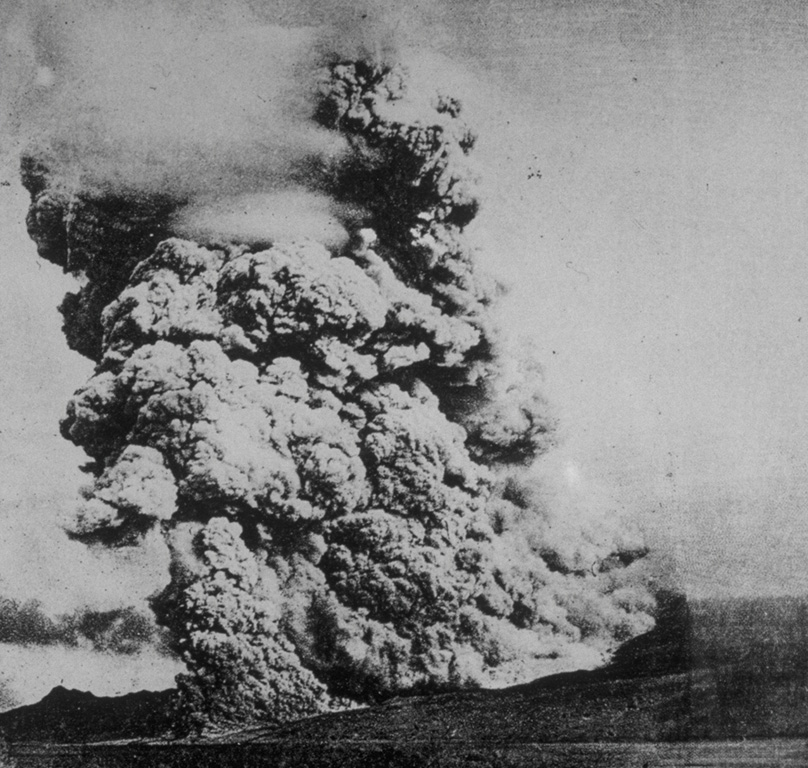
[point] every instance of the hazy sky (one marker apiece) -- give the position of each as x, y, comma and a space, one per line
645, 168
660, 261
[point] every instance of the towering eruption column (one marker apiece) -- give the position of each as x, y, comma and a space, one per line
327, 437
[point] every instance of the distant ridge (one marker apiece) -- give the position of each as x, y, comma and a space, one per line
67, 716
719, 670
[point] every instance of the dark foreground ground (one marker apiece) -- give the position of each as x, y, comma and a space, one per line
772, 753
712, 685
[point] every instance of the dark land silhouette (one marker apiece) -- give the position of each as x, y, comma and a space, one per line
709, 671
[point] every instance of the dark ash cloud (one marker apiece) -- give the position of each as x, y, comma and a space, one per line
119, 631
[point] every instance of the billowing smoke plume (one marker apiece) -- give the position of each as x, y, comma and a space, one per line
326, 431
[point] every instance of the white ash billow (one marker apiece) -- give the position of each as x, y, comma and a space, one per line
327, 435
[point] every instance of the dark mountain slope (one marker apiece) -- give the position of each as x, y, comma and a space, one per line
709, 670
75, 716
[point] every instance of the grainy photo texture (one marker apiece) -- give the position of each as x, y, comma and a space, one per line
393, 385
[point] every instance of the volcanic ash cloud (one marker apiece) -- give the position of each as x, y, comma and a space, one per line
324, 432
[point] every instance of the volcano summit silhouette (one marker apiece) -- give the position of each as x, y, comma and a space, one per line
709, 670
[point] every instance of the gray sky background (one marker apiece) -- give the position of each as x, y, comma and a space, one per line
660, 262
645, 171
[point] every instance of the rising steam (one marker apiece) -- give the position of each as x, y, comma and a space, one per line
308, 398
